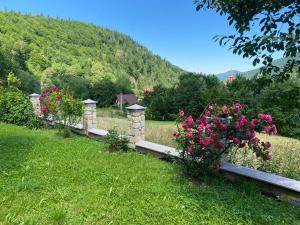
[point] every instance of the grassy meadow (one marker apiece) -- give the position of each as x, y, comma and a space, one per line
285, 151
45, 179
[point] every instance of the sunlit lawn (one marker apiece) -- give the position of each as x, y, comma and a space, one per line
45, 179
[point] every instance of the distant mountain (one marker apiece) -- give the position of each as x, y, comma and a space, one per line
278, 62
224, 76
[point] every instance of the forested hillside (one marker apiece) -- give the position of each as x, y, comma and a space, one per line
54, 49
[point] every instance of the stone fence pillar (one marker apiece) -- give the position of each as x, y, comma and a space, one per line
35, 101
136, 123
89, 115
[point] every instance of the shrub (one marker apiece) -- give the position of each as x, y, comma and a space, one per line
218, 131
115, 141
63, 107
15, 108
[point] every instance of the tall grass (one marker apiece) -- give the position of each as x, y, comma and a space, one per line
285, 151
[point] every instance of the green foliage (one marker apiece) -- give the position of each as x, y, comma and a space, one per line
78, 86
29, 83
77, 55
258, 94
104, 92
116, 142
192, 94
16, 108
160, 103
281, 99
13, 81
279, 31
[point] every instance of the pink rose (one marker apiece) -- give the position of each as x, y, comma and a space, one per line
253, 123
189, 121
181, 113
176, 134
189, 134
268, 157
223, 127
238, 106
236, 141
265, 117
225, 109
267, 146
270, 130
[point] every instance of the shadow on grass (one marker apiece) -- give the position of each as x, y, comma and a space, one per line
14, 151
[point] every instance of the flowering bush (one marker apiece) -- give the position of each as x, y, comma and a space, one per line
219, 130
63, 108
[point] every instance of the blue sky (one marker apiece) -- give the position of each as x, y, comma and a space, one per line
169, 28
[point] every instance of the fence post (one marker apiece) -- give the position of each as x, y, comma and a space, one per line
136, 123
35, 101
89, 115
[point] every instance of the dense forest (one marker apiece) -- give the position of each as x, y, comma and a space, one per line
76, 54
260, 94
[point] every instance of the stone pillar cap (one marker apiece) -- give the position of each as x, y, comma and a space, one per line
34, 95
89, 101
135, 107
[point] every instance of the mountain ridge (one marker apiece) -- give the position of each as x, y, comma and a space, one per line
46, 47
250, 73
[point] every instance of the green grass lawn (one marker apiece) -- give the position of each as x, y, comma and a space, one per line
45, 179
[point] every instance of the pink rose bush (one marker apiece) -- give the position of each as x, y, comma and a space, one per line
202, 142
